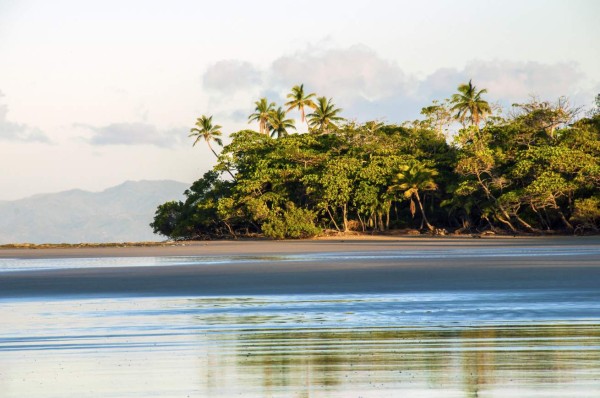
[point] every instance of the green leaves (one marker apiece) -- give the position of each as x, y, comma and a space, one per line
206, 130
530, 171
325, 117
299, 100
262, 111
468, 101
278, 124
291, 223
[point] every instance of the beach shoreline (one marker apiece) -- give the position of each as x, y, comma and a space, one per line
235, 247
341, 266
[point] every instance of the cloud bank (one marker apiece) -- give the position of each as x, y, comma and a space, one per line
368, 86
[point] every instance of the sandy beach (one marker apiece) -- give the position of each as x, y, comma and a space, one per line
318, 266
331, 244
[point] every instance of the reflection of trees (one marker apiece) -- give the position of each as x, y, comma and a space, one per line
478, 364
471, 359
526, 355
326, 359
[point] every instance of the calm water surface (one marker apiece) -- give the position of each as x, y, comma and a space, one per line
537, 343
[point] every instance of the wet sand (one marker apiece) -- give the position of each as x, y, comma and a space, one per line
319, 267
257, 247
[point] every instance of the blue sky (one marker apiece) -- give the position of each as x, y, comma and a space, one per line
98, 92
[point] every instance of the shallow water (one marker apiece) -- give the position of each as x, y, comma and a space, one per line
443, 344
497, 321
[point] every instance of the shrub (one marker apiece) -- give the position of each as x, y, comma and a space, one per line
292, 223
587, 213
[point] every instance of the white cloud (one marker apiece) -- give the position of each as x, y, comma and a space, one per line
10, 131
230, 76
368, 86
354, 77
509, 80
354, 73
134, 134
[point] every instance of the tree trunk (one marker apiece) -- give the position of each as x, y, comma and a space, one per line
362, 223
562, 216
506, 219
217, 156
429, 226
525, 224
211, 148
331, 217
543, 222
345, 217
565, 221
506, 222
387, 218
230, 229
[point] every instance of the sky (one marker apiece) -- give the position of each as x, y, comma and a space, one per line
94, 93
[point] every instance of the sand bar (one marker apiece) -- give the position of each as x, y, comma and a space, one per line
332, 266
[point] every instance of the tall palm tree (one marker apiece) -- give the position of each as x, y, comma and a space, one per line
412, 179
299, 100
468, 101
278, 124
325, 115
261, 114
205, 130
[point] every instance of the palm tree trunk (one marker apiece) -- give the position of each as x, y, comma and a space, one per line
429, 226
211, 148
217, 156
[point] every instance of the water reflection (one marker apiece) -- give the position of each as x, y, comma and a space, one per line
468, 359
301, 346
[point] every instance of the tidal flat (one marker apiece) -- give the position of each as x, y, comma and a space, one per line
400, 317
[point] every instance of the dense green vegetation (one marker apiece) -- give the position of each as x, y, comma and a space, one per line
463, 168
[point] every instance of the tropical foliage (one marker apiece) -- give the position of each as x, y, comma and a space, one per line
534, 170
262, 112
299, 100
468, 102
205, 130
325, 116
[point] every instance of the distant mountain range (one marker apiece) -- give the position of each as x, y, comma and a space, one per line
118, 214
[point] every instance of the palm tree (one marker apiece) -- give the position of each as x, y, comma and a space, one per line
278, 124
298, 100
261, 114
325, 115
469, 101
205, 130
412, 179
